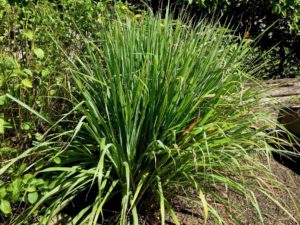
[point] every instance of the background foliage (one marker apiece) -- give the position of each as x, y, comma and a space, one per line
29, 58
287, 9
278, 19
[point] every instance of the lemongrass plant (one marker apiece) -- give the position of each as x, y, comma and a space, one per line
161, 105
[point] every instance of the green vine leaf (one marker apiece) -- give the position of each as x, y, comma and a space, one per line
33, 197
2, 99
27, 83
39, 53
5, 206
28, 34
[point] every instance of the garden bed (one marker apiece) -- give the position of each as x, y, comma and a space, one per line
150, 122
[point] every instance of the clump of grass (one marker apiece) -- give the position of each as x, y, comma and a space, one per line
161, 105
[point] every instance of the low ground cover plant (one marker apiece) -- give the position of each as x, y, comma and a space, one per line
159, 105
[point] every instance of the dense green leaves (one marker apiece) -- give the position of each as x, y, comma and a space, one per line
288, 9
29, 57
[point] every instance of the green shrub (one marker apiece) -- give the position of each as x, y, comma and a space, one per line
33, 70
160, 105
29, 58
